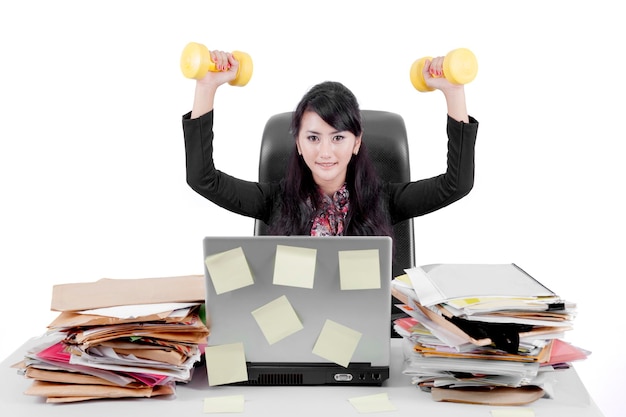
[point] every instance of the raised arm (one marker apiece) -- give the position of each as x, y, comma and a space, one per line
427, 195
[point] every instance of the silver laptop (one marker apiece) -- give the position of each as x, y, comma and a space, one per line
334, 299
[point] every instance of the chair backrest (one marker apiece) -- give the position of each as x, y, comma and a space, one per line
387, 144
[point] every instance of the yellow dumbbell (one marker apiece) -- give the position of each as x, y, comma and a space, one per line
195, 61
459, 67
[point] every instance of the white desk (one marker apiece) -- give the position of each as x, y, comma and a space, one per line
571, 398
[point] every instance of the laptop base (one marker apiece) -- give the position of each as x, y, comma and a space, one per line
267, 374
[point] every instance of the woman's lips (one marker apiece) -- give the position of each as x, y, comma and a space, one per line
326, 164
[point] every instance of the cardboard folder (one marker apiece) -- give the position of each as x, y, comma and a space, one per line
108, 292
502, 396
78, 392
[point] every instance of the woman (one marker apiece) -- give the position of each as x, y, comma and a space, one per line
330, 187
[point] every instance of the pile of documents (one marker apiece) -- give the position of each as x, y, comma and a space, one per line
482, 333
119, 338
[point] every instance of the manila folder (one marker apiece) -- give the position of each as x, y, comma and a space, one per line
107, 292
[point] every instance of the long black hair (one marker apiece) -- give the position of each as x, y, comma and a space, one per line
339, 108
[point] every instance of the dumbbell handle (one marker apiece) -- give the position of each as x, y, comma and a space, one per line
196, 61
459, 67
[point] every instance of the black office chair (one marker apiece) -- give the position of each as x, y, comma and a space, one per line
387, 144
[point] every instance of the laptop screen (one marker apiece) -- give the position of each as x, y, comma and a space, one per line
300, 299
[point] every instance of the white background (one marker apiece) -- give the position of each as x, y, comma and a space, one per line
92, 164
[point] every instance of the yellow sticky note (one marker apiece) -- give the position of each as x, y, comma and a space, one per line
404, 278
337, 343
225, 404
359, 269
372, 403
277, 319
513, 412
226, 364
294, 266
229, 270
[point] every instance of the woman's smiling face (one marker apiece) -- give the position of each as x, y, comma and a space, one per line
326, 151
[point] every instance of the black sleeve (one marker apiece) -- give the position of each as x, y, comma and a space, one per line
248, 198
407, 200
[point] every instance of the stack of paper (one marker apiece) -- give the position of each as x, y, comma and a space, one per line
119, 338
482, 328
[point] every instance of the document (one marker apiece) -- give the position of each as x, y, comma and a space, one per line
69, 319
481, 333
108, 292
142, 310
139, 338
501, 396
439, 283
191, 329
72, 393
563, 352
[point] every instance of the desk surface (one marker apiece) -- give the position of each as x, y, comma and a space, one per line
570, 398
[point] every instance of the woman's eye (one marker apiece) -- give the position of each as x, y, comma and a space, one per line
338, 138
312, 138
